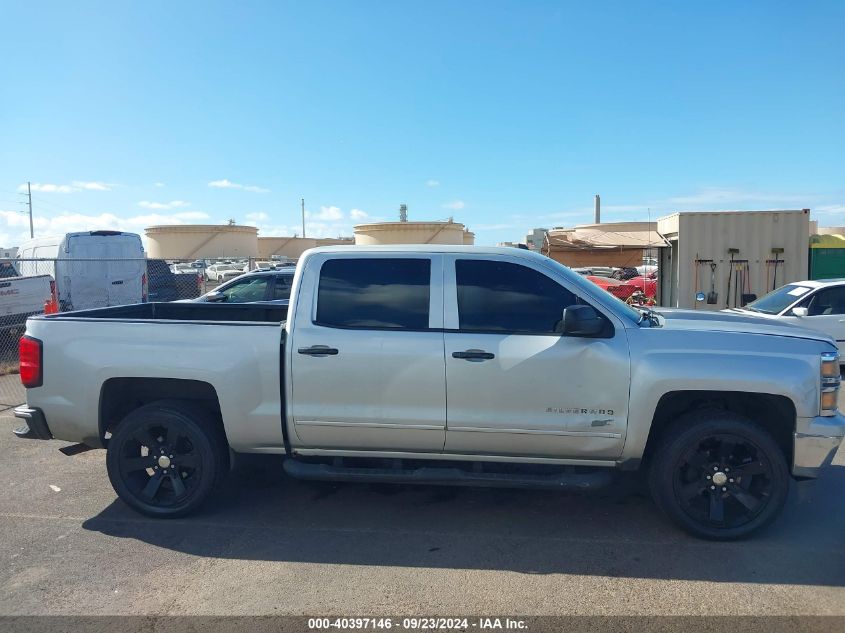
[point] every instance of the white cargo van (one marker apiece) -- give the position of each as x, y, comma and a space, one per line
92, 269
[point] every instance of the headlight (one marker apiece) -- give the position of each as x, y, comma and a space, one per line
830, 379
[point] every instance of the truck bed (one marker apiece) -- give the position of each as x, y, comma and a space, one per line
197, 312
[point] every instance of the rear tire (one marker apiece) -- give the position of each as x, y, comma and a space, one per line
718, 475
165, 458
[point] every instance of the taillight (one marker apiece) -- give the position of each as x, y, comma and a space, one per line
30, 362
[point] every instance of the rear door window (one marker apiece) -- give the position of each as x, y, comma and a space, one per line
247, 290
377, 293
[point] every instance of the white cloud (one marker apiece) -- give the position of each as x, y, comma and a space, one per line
257, 217
455, 205
92, 186
158, 184
48, 188
326, 214
225, 183
432, 183
14, 226
76, 185
173, 204
357, 214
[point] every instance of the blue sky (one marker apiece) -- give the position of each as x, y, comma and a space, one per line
504, 115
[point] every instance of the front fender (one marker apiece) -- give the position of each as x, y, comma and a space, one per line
663, 362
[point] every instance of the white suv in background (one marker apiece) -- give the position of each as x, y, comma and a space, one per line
816, 305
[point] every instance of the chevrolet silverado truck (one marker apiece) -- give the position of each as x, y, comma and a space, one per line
442, 365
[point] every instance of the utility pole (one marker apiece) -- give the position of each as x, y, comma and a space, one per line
302, 201
29, 204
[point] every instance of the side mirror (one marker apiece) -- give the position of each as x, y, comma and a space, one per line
581, 321
799, 312
700, 296
215, 296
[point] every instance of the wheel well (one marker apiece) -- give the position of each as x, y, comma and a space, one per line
119, 396
774, 413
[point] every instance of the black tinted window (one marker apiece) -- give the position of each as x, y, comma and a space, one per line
828, 301
283, 285
374, 293
503, 297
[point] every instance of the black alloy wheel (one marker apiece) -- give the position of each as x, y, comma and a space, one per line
723, 481
718, 475
164, 459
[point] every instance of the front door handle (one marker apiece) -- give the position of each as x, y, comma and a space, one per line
318, 350
474, 355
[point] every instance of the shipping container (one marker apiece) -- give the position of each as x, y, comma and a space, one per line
768, 249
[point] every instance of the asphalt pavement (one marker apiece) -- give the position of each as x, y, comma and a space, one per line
271, 545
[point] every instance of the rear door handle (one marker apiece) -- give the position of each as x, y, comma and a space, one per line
318, 350
474, 355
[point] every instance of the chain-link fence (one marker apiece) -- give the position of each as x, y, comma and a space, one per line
38, 285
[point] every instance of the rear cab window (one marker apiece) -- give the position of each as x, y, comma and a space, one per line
384, 293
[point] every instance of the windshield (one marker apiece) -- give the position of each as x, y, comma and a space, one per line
778, 300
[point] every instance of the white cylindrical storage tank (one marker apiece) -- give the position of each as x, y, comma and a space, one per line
293, 247
409, 233
198, 241
829, 230
469, 238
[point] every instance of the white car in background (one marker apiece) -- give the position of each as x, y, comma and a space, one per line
222, 272
815, 305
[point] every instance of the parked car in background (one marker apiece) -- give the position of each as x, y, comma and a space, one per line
625, 272
615, 287
165, 285
648, 285
221, 272
259, 286
817, 305
92, 269
648, 267
22, 297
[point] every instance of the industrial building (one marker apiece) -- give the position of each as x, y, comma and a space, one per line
730, 256
448, 232
608, 244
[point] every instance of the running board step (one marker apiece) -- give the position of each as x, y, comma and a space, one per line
449, 477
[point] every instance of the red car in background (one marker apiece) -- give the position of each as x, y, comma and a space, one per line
647, 284
624, 289
617, 288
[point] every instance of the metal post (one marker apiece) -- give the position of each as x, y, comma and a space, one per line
303, 216
29, 196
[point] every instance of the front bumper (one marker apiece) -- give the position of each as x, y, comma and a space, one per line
815, 442
35, 425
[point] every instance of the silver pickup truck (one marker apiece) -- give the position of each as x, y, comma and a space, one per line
442, 365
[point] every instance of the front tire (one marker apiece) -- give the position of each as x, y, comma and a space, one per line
718, 475
165, 458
